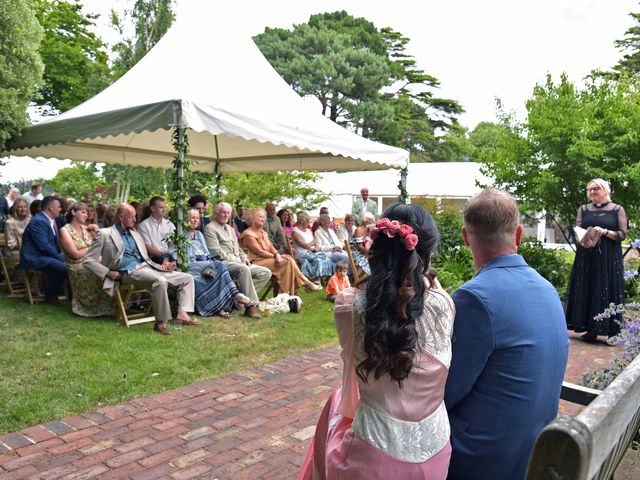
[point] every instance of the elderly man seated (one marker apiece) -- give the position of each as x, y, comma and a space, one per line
222, 242
40, 249
118, 254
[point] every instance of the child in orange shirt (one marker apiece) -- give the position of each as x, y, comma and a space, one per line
338, 282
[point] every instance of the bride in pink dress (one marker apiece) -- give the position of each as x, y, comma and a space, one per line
388, 420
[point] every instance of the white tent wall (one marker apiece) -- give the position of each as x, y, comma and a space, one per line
446, 180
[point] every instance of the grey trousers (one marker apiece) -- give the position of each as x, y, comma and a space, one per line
157, 282
251, 278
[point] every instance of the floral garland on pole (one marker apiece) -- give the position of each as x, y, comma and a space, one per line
402, 186
178, 195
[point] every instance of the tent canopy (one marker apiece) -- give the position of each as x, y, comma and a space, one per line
240, 114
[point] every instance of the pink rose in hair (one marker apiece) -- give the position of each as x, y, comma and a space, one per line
405, 230
394, 226
383, 223
411, 241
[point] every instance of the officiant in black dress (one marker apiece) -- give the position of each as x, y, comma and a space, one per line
597, 275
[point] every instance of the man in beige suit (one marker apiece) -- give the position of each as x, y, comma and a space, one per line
223, 243
118, 254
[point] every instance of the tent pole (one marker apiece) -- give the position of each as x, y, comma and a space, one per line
218, 180
180, 213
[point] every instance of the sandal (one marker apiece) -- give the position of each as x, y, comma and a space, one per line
241, 300
612, 341
223, 314
589, 336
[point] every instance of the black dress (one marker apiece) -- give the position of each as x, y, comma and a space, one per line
597, 275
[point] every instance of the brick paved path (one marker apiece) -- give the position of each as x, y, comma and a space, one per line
251, 425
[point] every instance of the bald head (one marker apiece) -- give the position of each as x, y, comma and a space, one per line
126, 216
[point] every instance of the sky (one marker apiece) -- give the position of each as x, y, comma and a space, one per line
479, 50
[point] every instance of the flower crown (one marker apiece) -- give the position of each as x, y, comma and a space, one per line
392, 228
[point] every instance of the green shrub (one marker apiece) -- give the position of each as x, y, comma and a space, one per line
551, 264
453, 260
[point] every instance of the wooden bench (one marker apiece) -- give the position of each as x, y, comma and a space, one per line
591, 444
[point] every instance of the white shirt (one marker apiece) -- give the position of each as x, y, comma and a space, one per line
156, 233
30, 198
307, 237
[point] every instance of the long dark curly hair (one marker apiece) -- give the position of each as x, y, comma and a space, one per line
395, 294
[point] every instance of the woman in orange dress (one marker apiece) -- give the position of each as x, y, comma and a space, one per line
255, 242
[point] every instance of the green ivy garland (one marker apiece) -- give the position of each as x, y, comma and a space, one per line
178, 196
402, 185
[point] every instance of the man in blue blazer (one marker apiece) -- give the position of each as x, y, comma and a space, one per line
40, 249
510, 348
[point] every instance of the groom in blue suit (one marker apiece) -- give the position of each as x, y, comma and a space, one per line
510, 348
40, 249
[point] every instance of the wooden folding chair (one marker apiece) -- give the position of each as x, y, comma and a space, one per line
9, 269
123, 299
272, 286
352, 264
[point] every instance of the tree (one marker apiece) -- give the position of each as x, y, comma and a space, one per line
78, 181
151, 19
570, 136
256, 189
630, 62
20, 65
75, 58
364, 80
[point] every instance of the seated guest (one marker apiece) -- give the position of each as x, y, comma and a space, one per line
61, 219
339, 281
360, 243
274, 229
314, 264
216, 294
88, 299
285, 220
509, 352
260, 250
35, 193
316, 224
239, 221
101, 209
327, 241
91, 214
110, 216
7, 202
156, 232
345, 232
40, 250
35, 207
14, 228
118, 254
222, 243
200, 203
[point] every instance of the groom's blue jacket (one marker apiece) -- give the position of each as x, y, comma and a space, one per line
510, 348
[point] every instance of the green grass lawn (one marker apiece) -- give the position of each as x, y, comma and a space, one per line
55, 364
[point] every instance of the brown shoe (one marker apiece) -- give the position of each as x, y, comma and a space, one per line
52, 299
189, 321
252, 312
161, 328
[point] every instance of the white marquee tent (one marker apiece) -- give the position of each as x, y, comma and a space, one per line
240, 115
